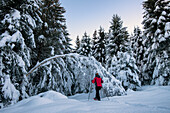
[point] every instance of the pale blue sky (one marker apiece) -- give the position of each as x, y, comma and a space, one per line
89, 15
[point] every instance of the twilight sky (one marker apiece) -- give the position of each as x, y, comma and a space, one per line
89, 15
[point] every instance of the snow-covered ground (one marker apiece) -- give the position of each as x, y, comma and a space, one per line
151, 99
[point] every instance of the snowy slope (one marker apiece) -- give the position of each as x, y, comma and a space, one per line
151, 99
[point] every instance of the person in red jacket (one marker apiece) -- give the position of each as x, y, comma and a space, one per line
98, 83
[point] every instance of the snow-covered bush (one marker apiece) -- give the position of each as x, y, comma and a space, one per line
124, 69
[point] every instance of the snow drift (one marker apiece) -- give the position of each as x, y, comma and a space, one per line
151, 99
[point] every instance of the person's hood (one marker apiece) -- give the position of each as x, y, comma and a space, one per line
98, 76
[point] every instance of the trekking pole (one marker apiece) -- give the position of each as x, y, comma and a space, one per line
89, 93
90, 88
106, 94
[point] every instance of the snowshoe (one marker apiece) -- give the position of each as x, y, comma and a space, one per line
95, 98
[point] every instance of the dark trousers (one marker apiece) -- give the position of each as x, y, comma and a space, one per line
97, 93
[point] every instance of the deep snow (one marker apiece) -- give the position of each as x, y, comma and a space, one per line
151, 99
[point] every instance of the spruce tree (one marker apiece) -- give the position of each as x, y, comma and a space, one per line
16, 50
116, 40
29, 32
53, 35
67, 41
98, 47
94, 42
120, 57
156, 22
138, 48
85, 45
52, 39
77, 44
124, 68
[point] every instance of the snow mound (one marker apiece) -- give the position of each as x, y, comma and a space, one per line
52, 95
38, 101
42, 99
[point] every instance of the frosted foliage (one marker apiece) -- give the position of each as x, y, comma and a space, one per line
167, 30
161, 71
8, 39
46, 25
157, 68
1, 67
12, 19
20, 62
161, 18
23, 91
10, 91
167, 26
20, 38
159, 81
32, 40
154, 21
41, 38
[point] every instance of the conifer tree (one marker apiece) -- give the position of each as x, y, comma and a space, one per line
77, 44
85, 45
156, 25
29, 32
52, 39
16, 45
138, 48
124, 68
116, 40
53, 35
67, 41
120, 57
98, 47
94, 42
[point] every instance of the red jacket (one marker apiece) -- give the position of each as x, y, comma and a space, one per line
98, 81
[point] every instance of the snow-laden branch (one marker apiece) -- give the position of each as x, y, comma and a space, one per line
48, 59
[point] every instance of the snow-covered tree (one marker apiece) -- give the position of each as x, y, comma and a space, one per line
25, 27
85, 45
52, 38
138, 49
98, 46
67, 41
156, 24
94, 41
77, 44
116, 40
120, 57
124, 68
16, 43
